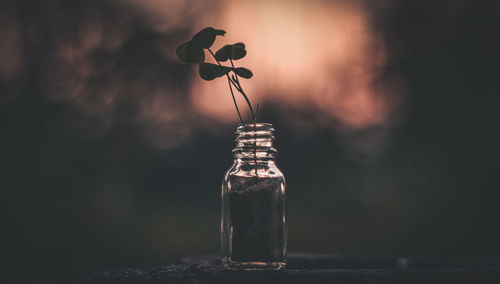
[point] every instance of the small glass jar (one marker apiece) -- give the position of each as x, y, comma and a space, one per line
253, 224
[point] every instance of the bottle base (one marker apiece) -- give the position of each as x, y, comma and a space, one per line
251, 265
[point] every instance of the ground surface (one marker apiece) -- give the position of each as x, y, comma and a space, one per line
316, 269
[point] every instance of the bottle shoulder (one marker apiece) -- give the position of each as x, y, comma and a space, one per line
243, 177
267, 169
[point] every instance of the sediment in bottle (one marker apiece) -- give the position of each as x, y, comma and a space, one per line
257, 220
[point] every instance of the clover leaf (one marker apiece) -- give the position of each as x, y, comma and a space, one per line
190, 52
206, 37
193, 51
209, 71
232, 51
243, 72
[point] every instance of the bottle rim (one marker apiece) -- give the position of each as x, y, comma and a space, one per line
252, 126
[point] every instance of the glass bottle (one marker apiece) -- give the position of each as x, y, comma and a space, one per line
253, 224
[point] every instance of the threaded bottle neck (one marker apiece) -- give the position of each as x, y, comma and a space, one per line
254, 142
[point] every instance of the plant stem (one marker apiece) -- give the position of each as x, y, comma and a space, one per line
230, 88
254, 116
237, 85
240, 89
234, 99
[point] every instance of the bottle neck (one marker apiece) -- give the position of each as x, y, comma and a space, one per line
254, 143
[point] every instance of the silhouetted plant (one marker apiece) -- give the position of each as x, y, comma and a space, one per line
192, 51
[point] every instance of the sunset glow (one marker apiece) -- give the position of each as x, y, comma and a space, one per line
324, 56
321, 58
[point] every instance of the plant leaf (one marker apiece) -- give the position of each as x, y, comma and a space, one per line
238, 51
220, 32
206, 37
209, 71
181, 52
243, 72
223, 53
194, 52
190, 52
231, 51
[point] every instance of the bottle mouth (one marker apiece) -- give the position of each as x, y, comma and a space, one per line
254, 131
254, 141
258, 125
249, 128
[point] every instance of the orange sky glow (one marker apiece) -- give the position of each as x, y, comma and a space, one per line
323, 56
320, 57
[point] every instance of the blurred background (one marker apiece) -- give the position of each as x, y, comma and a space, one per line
112, 152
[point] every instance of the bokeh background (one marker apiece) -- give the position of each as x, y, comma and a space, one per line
112, 152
